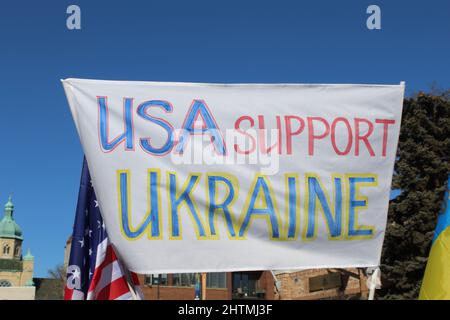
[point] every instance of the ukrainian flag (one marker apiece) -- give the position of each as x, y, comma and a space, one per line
436, 282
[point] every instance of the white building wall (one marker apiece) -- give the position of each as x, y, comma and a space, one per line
17, 293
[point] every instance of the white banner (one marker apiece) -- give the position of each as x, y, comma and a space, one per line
217, 177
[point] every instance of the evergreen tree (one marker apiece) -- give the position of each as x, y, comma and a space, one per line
421, 171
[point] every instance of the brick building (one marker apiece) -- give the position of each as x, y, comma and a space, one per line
220, 286
306, 284
318, 284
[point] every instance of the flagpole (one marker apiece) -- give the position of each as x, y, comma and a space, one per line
373, 283
277, 284
157, 288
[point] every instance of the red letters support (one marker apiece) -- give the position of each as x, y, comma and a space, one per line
312, 136
386, 123
333, 136
289, 133
365, 137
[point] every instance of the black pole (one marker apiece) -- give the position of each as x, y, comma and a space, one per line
157, 288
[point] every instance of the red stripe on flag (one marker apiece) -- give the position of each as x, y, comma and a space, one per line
68, 293
114, 290
110, 257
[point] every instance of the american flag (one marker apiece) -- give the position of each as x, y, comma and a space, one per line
94, 271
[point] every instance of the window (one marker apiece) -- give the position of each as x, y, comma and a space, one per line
5, 283
246, 284
155, 279
325, 282
6, 249
216, 280
184, 279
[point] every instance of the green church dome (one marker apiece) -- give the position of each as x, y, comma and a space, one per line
8, 227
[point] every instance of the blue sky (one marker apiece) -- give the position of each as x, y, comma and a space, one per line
199, 41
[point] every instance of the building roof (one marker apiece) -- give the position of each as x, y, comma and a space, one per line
8, 227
